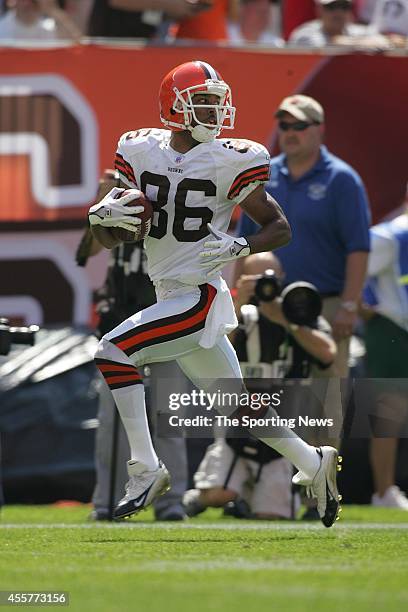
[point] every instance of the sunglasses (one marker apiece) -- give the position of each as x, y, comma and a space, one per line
340, 5
298, 126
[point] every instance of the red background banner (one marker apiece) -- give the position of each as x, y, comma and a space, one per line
62, 111
364, 97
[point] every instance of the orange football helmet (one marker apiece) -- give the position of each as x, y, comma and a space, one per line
177, 110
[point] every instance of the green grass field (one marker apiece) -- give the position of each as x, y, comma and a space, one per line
208, 563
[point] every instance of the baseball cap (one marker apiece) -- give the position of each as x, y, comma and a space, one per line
303, 108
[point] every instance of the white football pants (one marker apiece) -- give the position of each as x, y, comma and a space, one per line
171, 330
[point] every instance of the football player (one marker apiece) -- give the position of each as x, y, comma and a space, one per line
194, 180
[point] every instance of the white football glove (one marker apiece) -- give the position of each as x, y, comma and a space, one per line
112, 210
221, 251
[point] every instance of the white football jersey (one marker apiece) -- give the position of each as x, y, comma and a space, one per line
188, 190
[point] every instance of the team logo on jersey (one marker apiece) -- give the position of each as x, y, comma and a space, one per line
179, 159
317, 191
241, 146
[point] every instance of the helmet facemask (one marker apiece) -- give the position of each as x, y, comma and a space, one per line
224, 111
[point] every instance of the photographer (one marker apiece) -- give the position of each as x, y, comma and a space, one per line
269, 346
288, 349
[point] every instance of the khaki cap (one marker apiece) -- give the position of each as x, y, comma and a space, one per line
303, 108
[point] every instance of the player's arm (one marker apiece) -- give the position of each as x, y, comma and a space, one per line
89, 245
103, 236
264, 210
113, 211
275, 232
248, 172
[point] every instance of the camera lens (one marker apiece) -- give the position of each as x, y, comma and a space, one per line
301, 303
267, 287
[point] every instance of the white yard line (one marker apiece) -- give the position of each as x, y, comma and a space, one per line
238, 526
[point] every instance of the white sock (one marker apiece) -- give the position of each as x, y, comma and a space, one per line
303, 456
130, 402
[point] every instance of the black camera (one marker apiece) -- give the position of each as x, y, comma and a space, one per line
268, 287
15, 335
301, 302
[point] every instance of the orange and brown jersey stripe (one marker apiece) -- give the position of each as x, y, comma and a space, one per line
124, 168
168, 328
259, 173
118, 375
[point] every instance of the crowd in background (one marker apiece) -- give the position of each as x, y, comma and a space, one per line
379, 24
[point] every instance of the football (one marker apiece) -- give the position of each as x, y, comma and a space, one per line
142, 230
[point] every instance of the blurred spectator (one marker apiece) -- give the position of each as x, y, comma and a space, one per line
37, 20
364, 10
390, 17
296, 12
268, 346
210, 24
139, 18
386, 336
334, 20
389, 25
79, 11
326, 205
254, 24
387, 29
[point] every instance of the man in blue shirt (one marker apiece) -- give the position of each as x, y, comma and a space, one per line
326, 205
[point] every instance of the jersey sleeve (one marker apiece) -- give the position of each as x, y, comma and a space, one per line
122, 160
250, 168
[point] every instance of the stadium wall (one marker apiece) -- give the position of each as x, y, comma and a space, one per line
62, 110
